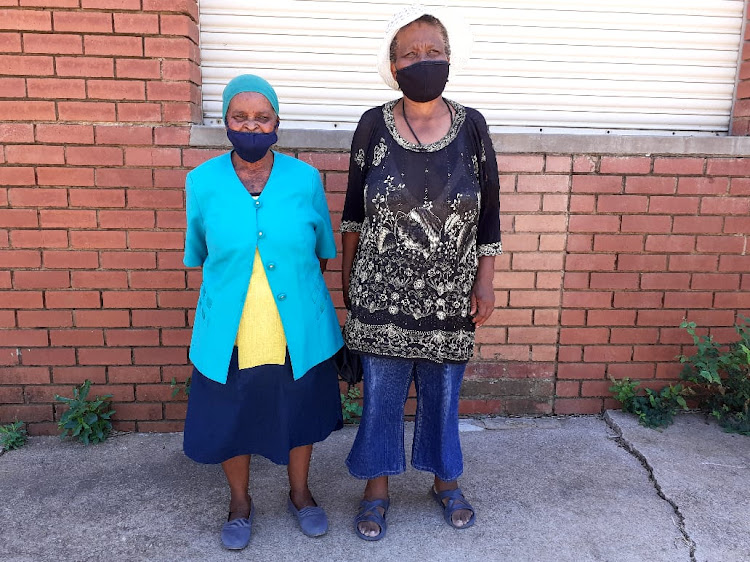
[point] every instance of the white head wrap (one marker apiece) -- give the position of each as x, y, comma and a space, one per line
459, 37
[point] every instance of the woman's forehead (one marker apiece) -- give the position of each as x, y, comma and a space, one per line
250, 102
419, 31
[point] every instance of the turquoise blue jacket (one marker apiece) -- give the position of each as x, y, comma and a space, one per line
291, 227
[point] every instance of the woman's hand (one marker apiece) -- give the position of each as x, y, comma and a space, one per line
483, 293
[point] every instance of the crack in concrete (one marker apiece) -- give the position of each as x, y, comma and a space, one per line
630, 448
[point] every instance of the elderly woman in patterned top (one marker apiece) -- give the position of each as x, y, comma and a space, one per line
421, 230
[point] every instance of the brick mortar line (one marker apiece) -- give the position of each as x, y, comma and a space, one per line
630, 448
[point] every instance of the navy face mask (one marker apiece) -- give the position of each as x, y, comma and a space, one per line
423, 81
251, 147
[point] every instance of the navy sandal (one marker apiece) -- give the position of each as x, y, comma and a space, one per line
456, 501
369, 512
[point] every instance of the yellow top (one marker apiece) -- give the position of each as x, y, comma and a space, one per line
260, 337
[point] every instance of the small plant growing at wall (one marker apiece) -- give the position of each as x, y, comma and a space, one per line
184, 387
722, 375
653, 408
12, 436
86, 419
351, 409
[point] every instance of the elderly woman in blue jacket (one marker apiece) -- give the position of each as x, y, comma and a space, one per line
265, 328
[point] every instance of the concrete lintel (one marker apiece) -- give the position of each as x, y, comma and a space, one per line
516, 143
292, 139
621, 144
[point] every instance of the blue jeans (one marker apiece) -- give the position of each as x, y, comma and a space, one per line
378, 449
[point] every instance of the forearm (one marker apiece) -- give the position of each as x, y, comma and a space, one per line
486, 270
483, 293
349, 242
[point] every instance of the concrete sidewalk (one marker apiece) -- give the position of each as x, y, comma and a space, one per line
545, 489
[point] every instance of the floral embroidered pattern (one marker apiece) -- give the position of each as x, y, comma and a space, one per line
350, 226
458, 120
416, 265
359, 158
379, 153
394, 341
494, 249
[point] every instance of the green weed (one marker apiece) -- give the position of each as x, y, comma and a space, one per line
721, 373
184, 387
653, 408
12, 436
86, 419
351, 408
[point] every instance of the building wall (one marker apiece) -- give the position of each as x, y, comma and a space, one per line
610, 242
741, 107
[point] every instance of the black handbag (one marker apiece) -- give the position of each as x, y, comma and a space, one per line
349, 365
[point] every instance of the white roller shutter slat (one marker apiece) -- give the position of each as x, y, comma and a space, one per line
507, 20
384, 8
540, 70
589, 86
576, 65
673, 45
563, 98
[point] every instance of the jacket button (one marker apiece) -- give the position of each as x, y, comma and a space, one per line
257, 204
271, 266
281, 296
260, 234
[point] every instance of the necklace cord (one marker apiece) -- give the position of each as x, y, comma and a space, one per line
403, 112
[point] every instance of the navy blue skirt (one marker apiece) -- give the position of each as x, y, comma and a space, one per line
260, 411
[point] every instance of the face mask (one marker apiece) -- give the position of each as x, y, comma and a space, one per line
423, 81
251, 147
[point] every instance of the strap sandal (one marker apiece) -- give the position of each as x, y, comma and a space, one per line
235, 534
369, 512
455, 501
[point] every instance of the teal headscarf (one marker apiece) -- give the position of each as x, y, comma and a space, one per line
248, 83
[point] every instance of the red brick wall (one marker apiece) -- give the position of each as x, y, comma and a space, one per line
96, 98
651, 241
605, 254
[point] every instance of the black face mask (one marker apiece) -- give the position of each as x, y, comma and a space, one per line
423, 81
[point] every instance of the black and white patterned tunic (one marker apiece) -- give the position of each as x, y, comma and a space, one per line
425, 214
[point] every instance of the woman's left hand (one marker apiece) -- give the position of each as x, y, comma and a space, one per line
483, 293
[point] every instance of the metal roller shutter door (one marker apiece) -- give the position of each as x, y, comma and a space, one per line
573, 65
